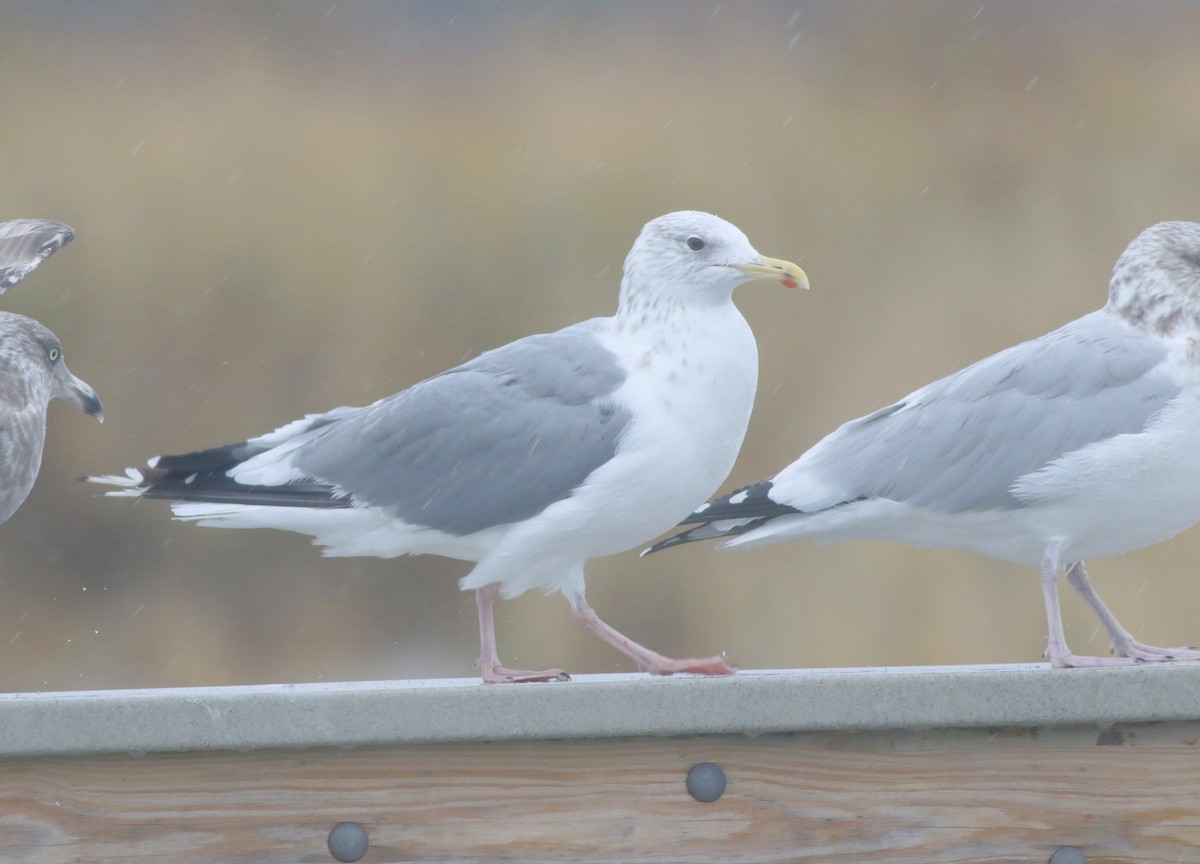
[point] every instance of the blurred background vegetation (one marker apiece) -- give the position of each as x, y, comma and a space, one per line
286, 206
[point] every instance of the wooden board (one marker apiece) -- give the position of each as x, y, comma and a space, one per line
1128, 794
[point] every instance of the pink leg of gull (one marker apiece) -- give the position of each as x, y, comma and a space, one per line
1122, 642
647, 660
489, 662
1058, 652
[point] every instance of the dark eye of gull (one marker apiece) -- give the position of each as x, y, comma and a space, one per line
696, 243
53, 354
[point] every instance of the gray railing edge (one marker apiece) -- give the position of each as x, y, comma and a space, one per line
353, 714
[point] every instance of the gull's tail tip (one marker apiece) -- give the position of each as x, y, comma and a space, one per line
127, 484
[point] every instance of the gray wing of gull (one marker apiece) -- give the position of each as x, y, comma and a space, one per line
493, 441
960, 443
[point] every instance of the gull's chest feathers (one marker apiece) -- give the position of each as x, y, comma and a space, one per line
691, 381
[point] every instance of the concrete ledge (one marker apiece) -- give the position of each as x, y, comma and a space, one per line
591, 706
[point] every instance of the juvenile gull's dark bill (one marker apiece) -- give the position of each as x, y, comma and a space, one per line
32, 369
1082, 443
529, 459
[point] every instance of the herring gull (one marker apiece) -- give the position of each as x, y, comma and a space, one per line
529, 459
1081, 443
32, 369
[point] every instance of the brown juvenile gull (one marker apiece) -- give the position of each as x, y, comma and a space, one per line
1081, 443
26, 243
529, 459
32, 369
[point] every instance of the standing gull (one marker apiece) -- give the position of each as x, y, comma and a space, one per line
32, 370
529, 459
1084, 442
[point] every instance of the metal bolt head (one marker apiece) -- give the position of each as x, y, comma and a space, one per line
1068, 855
706, 781
348, 841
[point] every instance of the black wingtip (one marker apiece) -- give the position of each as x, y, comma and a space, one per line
677, 540
741, 510
203, 477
